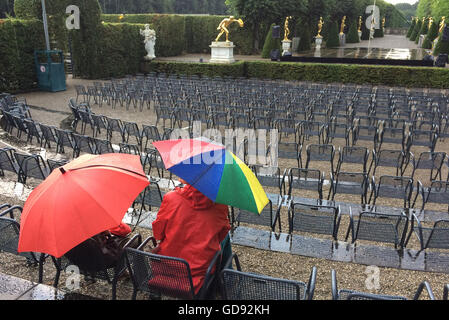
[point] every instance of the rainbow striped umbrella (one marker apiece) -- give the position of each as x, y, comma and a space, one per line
213, 171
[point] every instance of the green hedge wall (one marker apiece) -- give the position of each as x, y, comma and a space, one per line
418, 77
18, 40
192, 34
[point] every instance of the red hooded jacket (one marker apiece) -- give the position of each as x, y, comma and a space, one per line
190, 226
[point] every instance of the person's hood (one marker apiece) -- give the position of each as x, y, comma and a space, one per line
197, 200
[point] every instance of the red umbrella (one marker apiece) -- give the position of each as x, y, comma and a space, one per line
89, 195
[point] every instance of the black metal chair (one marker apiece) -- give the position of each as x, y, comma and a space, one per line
347, 294
287, 150
314, 219
349, 183
83, 144
432, 161
353, 155
438, 192
54, 164
388, 158
240, 285
8, 162
93, 264
269, 216
9, 237
65, 139
48, 135
320, 152
305, 179
150, 198
31, 166
435, 237
168, 276
379, 227
392, 187
270, 177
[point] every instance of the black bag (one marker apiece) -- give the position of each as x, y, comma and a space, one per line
100, 252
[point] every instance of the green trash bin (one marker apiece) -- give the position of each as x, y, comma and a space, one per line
50, 70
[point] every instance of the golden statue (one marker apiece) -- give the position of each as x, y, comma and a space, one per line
286, 29
343, 25
442, 23
320, 27
223, 27
430, 23
383, 22
360, 24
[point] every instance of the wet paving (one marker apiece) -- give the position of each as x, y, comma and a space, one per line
381, 256
13, 288
366, 53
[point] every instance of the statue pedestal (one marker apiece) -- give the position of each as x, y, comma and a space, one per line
286, 47
222, 52
318, 42
342, 38
421, 40
371, 34
360, 35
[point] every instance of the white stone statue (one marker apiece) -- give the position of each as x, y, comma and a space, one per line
150, 41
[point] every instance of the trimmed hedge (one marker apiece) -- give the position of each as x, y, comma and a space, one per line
420, 77
235, 70
193, 34
18, 40
353, 34
270, 43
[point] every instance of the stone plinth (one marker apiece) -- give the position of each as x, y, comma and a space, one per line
342, 38
318, 42
286, 47
222, 52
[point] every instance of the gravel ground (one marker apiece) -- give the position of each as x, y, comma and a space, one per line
392, 281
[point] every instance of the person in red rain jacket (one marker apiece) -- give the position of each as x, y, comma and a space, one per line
191, 227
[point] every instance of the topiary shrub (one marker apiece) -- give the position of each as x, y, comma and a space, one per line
441, 47
333, 39
28, 9
270, 43
410, 30
416, 30
431, 36
353, 34
305, 38
379, 33
424, 29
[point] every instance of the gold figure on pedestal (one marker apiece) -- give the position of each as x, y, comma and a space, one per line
343, 25
360, 24
320, 27
442, 23
224, 24
286, 29
430, 23
383, 23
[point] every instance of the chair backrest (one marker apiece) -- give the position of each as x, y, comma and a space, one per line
31, 166
7, 160
438, 192
268, 176
267, 216
155, 273
395, 188
350, 183
240, 285
314, 219
380, 227
102, 146
353, 155
306, 179
53, 164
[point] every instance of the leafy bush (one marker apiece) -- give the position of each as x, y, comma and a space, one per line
412, 26
424, 29
416, 30
333, 39
305, 38
431, 35
270, 43
18, 40
353, 34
